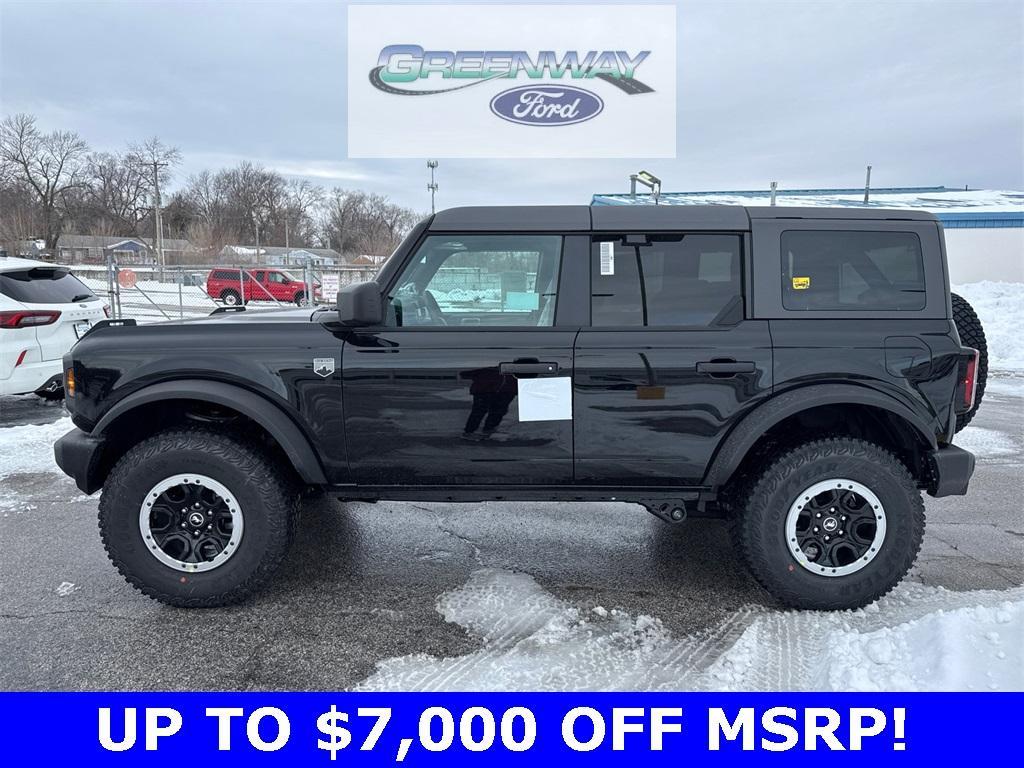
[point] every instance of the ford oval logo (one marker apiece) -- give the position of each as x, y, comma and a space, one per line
546, 105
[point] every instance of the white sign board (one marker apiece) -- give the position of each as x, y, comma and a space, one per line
329, 285
512, 81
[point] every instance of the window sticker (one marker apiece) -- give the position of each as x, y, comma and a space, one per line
801, 283
545, 399
607, 258
522, 300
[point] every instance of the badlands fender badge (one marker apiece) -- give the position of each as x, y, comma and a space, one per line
323, 366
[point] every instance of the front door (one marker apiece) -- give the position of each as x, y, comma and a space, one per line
669, 362
469, 380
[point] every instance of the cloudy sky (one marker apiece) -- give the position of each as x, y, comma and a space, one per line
806, 93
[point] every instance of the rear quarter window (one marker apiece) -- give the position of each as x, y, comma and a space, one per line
852, 270
44, 285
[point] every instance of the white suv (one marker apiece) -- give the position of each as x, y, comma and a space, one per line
44, 310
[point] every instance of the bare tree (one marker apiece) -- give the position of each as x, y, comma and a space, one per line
153, 153
51, 165
118, 193
361, 223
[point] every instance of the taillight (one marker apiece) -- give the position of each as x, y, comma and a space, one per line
27, 318
971, 380
69, 382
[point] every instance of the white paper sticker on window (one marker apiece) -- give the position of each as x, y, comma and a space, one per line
547, 399
608, 258
522, 300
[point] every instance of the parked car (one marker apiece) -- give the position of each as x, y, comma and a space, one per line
44, 310
225, 284
801, 373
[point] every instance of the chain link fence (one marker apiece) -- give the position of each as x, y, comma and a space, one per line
150, 294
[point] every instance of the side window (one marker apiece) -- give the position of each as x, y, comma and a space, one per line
690, 280
852, 270
479, 280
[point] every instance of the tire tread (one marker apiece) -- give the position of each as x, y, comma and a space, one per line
279, 499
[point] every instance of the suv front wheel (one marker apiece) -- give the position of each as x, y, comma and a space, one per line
831, 524
196, 519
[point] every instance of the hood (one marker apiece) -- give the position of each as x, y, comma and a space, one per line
288, 315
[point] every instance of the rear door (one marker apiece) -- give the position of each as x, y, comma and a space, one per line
469, 380
670, 361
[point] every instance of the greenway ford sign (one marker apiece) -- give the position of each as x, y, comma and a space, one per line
446, 81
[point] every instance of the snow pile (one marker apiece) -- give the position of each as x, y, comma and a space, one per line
1000, 306
971, 648
918, 638
25, 449
986, 443
29, 447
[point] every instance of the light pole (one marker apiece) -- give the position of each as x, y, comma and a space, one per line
649, 180
432, 186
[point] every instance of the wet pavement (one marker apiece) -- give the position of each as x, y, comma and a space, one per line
362, 581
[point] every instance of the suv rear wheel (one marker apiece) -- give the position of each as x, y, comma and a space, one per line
299, 298
194, 518
829, 525
972, 334
231, 298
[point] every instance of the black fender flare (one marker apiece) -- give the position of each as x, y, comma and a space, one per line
769, 413
260, 409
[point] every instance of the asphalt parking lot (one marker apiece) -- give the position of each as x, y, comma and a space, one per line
362, 582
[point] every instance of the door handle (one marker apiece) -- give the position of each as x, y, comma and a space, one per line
537, 369
725, 368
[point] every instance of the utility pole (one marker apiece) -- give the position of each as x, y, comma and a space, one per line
432, 186
867, 186
158, 239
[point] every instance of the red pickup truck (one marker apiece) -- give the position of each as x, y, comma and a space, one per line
227, 285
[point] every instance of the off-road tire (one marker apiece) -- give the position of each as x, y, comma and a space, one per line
763, 500
972, 334
265, 493
231, 298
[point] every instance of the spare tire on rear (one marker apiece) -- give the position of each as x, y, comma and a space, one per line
972, 334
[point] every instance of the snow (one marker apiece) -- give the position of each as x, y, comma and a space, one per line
28, 448
1000, 306
936, 200
1005, 386
918, 638
986, 443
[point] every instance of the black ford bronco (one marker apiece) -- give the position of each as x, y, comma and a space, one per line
799, 372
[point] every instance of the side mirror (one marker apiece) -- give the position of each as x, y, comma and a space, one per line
361, 304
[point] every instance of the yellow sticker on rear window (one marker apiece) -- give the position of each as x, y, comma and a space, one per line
801, 283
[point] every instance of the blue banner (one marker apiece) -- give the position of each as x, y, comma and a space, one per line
505, 728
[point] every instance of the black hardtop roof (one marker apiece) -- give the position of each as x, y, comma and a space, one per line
611, 218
